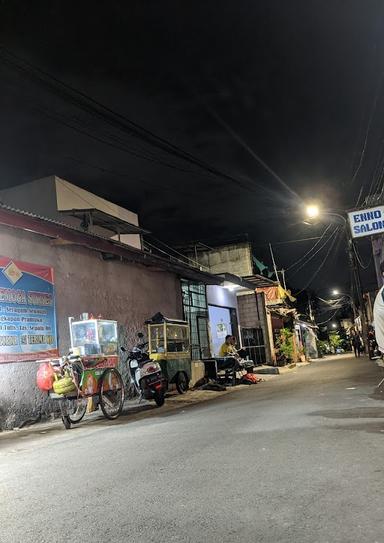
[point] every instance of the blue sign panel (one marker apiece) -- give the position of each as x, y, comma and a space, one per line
27, 311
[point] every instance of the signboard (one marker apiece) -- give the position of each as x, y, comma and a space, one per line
27, 311
367, 222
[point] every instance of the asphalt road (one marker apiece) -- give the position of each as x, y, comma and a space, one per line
299, 458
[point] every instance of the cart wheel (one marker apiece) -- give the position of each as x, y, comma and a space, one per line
66, 422
159, 398
77, 410
182, 382
111, 393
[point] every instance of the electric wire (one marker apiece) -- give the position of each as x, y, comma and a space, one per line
250, 151
90, 105
321, 264
330, 318
316, 252
359, 260
189, 259
369, 125
185, 261
310, 250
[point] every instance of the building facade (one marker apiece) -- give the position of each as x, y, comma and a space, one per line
91, 274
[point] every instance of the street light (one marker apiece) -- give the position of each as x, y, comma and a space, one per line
335, 292
312, 211
334, 325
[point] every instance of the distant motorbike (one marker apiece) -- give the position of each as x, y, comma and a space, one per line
145, 376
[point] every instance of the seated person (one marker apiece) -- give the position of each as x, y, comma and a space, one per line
227, 348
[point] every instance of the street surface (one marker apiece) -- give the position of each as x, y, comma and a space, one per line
299, 458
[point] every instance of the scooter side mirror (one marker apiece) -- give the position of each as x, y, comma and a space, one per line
140, 335
123, 349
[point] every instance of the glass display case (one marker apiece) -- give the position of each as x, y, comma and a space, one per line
94, 336
169, 339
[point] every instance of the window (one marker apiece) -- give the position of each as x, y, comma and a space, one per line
196, 313
177, 338
157, 338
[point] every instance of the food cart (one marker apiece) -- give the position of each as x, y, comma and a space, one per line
88, 377
169, 344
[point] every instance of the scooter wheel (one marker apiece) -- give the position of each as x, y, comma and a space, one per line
159, 398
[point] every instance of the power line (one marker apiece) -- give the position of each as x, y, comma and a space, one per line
362, 154
359, 260
250, 151
321, 264
96, 108
330, 318
316, 252
178, 252
310, 250
286, 242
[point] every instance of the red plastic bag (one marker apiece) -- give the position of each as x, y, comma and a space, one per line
251, 378
45, 376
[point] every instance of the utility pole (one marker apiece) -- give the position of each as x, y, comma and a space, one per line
283, 276
310, 312
274, 264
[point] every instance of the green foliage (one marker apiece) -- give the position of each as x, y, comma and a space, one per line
285, 343
322, 347
335, 340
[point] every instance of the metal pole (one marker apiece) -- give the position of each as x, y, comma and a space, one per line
355, 274
274, 264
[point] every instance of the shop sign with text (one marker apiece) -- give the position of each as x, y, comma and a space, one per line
367, 222
27, 311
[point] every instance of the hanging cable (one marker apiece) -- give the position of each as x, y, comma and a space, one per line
310, 250
101, 111
316, 252
358, 258
330, 318
321, 264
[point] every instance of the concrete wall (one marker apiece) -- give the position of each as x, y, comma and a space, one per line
121, 291
51, 197
253, 314
235, 259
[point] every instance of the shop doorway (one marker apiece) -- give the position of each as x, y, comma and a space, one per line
253, 342
223, 322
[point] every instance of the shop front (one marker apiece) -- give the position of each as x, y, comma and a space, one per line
223, 316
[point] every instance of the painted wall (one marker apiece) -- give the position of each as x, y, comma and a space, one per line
124, 292
221, 296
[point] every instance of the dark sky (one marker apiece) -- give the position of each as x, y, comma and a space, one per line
299, 83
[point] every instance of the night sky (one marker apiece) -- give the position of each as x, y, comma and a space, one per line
298, 84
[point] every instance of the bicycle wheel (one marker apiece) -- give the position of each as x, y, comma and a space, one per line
77, 409
111, 393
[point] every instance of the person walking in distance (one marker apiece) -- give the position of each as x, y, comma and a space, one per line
356, 344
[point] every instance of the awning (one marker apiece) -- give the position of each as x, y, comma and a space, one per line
95, 217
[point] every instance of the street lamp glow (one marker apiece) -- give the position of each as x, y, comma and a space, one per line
335, 292
334, 325
312, 211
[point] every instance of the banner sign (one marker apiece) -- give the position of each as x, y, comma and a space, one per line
27, 311
367, 222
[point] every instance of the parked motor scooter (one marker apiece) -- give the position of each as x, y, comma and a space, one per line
145, 376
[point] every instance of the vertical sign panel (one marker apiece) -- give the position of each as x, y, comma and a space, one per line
27, 311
